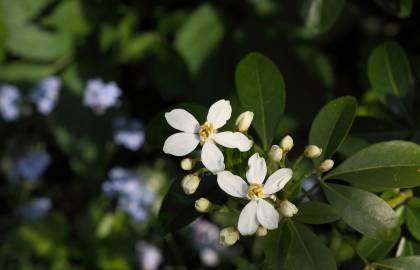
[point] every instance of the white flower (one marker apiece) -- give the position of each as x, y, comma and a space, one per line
192, 133
258, 211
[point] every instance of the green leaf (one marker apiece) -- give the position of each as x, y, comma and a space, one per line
374, 249
199, 36
158, 130
412, 216
30, 41
389, 70
140, 46
400, 263
307, 252
331, 126
322, 14
387, 164
315, 212
407, 248
22, 71
60, 18
177, 209
276, 245
364, 211
261, 89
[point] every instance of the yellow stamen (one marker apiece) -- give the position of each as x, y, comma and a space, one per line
206, 130
255, 191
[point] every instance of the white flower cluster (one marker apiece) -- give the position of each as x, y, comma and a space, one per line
262, 210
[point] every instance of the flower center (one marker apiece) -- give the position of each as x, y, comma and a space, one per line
255, 191
206, 130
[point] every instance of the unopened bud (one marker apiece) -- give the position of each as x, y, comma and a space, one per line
261, 231
326, 165
312, 151
287, 209
187, 164
276, 153
286, 144
202, 205
190, 183
244, 120
228, 236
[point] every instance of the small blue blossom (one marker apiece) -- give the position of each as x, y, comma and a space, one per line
9, 99
100, 96
45, 95
205, 237
134, 197
149, 256
31, 166
36, 208
129, 134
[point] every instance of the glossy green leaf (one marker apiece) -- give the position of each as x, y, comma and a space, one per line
199, 36
400, 263
362, 210
412, 216
322, 14
307, 252
261, 89
374, 249
276, 245
387, 164
331, 126
315, 212
389, 70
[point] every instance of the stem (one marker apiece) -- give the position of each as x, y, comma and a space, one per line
400, 198
298, 160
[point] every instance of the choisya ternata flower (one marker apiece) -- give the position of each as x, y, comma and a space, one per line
258, 211
192, 133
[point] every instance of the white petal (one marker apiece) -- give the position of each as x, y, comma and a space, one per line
248, 223
232, 184
257, 169
233, 140
212, 157
277, 181
182, 120
180, 144
219, 113
267, 215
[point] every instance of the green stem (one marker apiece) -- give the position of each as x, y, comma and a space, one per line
400, 198
298, 161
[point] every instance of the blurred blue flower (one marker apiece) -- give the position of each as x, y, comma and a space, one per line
46, 93
149, 256
205, 237
36, 208
100, 96
31, 166
134, 197
9, 98
129, 134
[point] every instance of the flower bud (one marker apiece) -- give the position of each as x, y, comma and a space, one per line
312, 151
326, 165
286, 144
261, 231
187, 164
228, 236
190, 183
244, 120
287, 209
276, 153
202, 205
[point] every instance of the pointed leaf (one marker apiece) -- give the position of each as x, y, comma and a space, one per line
362, 210
400, 263
315, 212
261, 89
387, 164
331, 126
